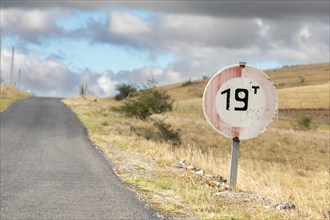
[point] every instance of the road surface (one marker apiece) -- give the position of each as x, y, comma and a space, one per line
50, 170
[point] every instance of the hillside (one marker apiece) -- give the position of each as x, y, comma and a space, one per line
300, 75
10, 94
302, 91
286, 163
300, 79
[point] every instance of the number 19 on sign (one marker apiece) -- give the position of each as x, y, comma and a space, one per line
239, 101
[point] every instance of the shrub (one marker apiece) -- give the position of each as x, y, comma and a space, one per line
125, 91
166, 133
301, 79
161, 132
187, 83
105, 123
145, 103
304, 122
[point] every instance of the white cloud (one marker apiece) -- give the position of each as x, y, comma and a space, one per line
263, 28
37, 75
209, 31
173, 76
150, 72
30, 24
202, 36
304, 32
127, 24
107, 85
141, 76
49, 77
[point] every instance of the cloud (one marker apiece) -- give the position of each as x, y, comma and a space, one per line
264, 9
209, 31
128, 24
42, 76
122, 29
213, 24
32, 4
93, 82
107, 85
202, 36
52, 78
188, 36
169, 33
30, 25
141, 76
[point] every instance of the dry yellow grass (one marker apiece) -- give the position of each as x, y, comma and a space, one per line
10, 94
312, 96
300, 75
283, 168
282, 164
312, 80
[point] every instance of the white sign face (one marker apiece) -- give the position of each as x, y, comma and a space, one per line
240, 102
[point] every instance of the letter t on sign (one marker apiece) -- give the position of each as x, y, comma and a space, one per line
255, 89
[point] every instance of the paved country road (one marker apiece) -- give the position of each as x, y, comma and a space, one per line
50, 170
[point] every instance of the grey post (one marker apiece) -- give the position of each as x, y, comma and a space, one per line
19, 78
234, 156
234, 164
11, 81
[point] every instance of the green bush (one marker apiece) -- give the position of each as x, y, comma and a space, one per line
125, 90
166, 133
187, 83
145, 103
301, 79
161, 132
304, 122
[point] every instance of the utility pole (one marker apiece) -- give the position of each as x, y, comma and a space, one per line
12, 66
19, 78
1, 80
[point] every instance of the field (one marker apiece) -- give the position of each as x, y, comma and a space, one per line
10, 94
289, 163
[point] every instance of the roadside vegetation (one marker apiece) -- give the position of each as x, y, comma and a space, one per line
146, 102
125, 91
288, 163
10, 94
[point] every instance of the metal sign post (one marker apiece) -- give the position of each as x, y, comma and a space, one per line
234, 164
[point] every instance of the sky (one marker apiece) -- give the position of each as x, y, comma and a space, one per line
60, 45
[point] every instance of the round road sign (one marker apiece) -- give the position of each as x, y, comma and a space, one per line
240, 102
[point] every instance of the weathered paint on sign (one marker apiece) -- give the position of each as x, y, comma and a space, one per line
240, 102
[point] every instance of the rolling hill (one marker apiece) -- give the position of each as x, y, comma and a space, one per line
303, 86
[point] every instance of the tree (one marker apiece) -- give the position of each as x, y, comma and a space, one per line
125, 91
145, 103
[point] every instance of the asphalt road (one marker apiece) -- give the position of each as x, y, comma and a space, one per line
50, 170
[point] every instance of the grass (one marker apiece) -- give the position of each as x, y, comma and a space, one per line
295, 97
283, 164
294, 76
9, 94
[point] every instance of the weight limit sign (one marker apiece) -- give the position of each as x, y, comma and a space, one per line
240, 101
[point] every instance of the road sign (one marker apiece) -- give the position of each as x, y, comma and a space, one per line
240, 101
